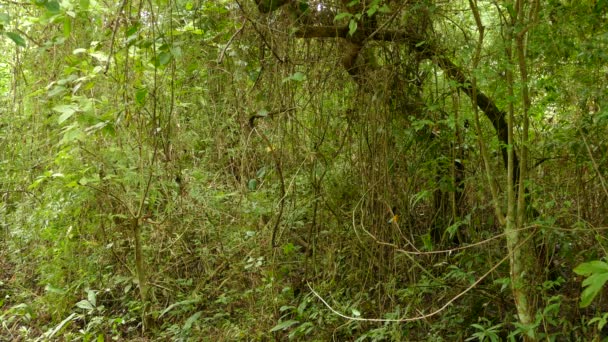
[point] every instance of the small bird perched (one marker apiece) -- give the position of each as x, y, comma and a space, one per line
394, 216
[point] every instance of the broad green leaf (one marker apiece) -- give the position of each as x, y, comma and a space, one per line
52, 6
66, 112
140, 96
52, 289
343, 15
85, 304
593, 286
252, 184
352, 27
164, 58
67, 26
297, 76
132, 30
15, 37
71, 133
176, 51
597, 275
595, 266
57, 90
284, 325
92, 297
373, 8
384, 9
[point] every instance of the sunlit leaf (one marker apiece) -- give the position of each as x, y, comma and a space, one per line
67, 26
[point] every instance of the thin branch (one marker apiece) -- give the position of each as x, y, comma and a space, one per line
221, 57
420, 317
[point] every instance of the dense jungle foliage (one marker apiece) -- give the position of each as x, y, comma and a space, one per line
307, 170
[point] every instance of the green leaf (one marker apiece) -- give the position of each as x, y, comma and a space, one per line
352, 27
343, 15
373, 8
164, 58
588, 268
176, 51
52, 7
140, 96
191, 320
67, 26
284, 325
92, 297
4, 18
85, 304
297, 76
593, 286
66, 112
384, 9
15, 37
597, 275
52, 289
